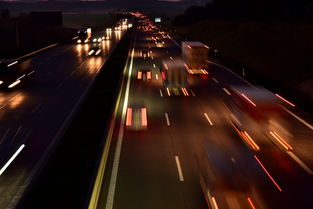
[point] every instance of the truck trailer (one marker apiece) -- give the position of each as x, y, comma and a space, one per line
195, 55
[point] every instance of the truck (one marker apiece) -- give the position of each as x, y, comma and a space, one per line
13, 72
174, 75
195, 55
256, 112
84, 36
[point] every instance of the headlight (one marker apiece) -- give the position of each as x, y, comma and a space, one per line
79, 41
99, 39
94, 40
1, 82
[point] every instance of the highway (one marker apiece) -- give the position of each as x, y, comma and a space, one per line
35, 114
159, 165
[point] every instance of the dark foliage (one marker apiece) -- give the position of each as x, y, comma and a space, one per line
247, 10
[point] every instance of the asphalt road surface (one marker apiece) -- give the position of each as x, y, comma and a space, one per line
159, 166
34, 115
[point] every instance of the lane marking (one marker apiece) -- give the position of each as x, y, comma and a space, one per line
267, 173
153, 65
102, 166
17, 132
216, 81
226, 91
4, 135
11, 159
112, 185
72, 73
207, 117
300, 162
298, 118
156, 76
36, 108
167, 120
180, 172
161, 93
59, 86
193, 93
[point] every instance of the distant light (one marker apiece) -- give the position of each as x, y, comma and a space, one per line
1, 82
157, 19
79, 41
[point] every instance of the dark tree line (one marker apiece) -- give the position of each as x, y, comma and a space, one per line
247, 10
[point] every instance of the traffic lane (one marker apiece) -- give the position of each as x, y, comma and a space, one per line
15, 178
278, 164
239, 83
147, 160
37, 133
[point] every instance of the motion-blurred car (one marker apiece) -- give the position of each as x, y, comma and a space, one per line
145, 54
144, 74
222, 178
136, 117
159, 43
96, 39
95, 51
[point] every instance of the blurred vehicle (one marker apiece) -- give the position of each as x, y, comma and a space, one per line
12, 73
144, 74
222, 179
145, 54
159, 43
255, 112
95, 50
174, 77
136, 117
96, 39
195, 54
84, 36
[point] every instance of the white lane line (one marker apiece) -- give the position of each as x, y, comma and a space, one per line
16, 133
11, 159
153, 65
298, 118
36, 108
72, 73
226, 91
112, 185
207, 117
156, 76
300, 162
193, 93
216, 81
59, 86
161, 94
167, 120
4, 135
180, 172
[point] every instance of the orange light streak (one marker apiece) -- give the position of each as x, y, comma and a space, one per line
268, 174
144, 116
129, 117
